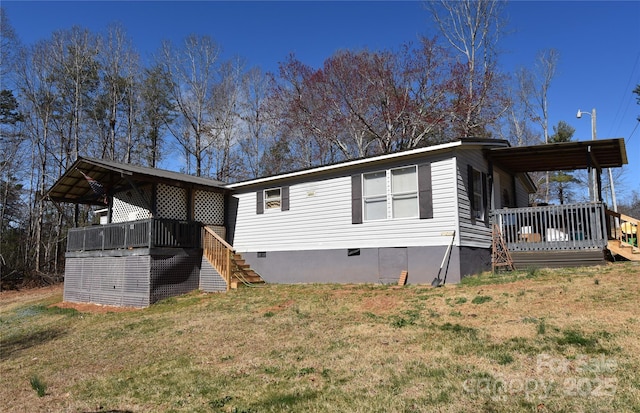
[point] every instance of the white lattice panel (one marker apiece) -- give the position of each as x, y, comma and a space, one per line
130, 206
209, 208
171, 202
219, 230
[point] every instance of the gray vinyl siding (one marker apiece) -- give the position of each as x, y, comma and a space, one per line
320, 216
473, 233
522, 195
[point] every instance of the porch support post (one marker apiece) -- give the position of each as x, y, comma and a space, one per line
595, 180
599, 183
590, 173
492, 201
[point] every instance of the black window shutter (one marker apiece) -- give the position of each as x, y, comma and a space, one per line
425, 191
485, 197
260, 202
284, 196
356, 199
472, 204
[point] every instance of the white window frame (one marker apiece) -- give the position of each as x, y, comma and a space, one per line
273, 199
390, 195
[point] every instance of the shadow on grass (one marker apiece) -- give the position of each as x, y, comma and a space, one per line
14, 344
111, 411
287, 400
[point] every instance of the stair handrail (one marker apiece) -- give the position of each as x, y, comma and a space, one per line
218, 252
620, 233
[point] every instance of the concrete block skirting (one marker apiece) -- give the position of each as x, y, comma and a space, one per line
368, 265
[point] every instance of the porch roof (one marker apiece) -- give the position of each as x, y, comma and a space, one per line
565, 156
74, 187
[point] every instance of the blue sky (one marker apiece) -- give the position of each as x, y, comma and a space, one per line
598, 42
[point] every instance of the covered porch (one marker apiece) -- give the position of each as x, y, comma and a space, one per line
149, 245
561, 235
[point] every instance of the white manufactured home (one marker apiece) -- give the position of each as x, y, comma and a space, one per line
368, 220
430, 213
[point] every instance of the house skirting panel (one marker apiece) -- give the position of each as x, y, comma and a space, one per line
174, 274
368, 265
131, 279
210, 279
117, 281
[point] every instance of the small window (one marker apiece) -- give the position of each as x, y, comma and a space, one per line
262, 254
272, 198
352, 252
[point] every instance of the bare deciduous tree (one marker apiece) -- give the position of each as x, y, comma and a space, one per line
534, 91
193, 70
473, 28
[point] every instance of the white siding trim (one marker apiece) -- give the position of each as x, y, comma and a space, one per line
426, 151
454, 178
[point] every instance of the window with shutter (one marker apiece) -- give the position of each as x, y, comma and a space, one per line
272, 199
390, 194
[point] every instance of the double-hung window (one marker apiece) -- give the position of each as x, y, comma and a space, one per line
375, 196
390, 194
404, 192
272, 198
478, 210
478, 195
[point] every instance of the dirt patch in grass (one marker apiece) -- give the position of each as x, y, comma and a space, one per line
279, 307
382, 304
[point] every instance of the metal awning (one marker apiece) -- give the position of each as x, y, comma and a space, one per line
565, 156
74, 186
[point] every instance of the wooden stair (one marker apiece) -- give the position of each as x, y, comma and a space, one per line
628, 251
227, 262
242, 273
623, 237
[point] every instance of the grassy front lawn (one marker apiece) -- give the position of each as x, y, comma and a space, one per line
537, 341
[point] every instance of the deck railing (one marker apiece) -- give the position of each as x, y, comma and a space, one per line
218, 252
622, 227
553, 227
148, 233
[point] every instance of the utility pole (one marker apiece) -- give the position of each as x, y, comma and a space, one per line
593, 185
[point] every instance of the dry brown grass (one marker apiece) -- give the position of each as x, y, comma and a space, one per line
338, 348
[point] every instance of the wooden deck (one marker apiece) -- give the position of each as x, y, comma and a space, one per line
148, 233
554, 235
